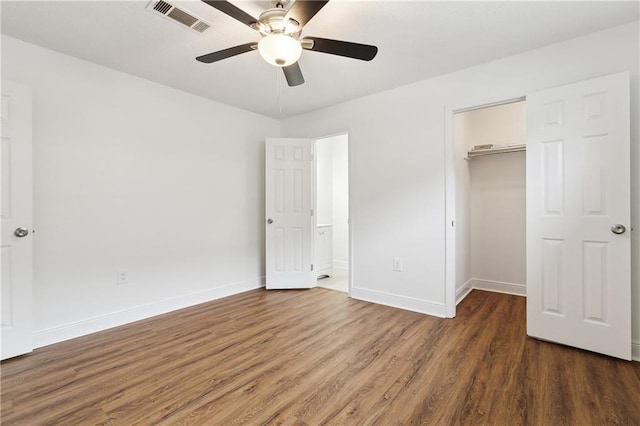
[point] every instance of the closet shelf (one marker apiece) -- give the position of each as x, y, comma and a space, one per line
496, 149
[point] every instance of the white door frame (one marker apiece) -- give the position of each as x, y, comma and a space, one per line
315, 189
450, 185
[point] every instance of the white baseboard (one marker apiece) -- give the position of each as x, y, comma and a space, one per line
635, 351
499, 287
342, 265
402, 302
91, 325
463, 292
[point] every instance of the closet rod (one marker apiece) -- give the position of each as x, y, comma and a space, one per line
495, 150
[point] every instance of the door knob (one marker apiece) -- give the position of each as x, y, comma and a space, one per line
618, 229
21, 232
269, 221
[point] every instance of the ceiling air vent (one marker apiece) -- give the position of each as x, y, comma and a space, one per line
178, 15
200, 26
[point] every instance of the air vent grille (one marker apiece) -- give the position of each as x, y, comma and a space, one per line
200, 26
183, 17
162, 7
178, 15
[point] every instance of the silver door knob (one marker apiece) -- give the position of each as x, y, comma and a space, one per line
269, 221
618, 229
21, 232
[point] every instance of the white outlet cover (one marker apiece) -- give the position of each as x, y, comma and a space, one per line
122, 277
397, 264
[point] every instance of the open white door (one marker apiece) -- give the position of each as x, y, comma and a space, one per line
16, 335
578, 215
289, 213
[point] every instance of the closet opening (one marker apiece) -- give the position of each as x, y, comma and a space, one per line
489, 206
332, 212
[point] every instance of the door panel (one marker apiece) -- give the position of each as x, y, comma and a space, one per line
16, 211
288, 206
552, 276
553, 177
578, 187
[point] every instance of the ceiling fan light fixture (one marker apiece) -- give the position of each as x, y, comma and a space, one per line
279, 49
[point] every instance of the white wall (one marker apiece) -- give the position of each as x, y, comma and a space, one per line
397, 158
462, 206
340, 202
324, 182
498, 225
129, 174
499, 125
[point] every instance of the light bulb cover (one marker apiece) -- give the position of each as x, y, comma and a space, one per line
279, 49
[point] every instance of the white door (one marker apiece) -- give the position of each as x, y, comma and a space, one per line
16, 212
578, 215
289, 213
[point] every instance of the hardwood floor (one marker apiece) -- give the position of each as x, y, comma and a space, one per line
318, 357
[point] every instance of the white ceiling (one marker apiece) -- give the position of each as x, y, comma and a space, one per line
416, 40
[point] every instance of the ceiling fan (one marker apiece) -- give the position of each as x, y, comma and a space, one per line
281, 43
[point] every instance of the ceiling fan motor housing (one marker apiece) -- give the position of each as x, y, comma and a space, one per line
272, 21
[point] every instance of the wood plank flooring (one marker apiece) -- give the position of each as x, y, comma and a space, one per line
317, 357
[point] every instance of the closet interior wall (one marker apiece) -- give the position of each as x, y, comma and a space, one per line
490, 201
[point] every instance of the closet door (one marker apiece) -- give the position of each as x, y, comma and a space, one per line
578, 215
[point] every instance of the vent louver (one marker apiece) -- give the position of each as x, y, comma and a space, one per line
200, 26
178, 15
162, 7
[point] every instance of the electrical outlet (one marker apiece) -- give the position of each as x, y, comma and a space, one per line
397, 264
123, 277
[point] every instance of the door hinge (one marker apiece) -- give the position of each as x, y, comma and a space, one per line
311, 212
312, 267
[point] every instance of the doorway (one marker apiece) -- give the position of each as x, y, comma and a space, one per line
490, 143
485, 185
332, 212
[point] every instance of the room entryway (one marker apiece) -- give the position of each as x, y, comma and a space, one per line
307, 213
332, 212
490, 145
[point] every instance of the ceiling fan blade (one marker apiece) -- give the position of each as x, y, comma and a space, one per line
303, 10
363, 52
233, 11
293, 74
226, 53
